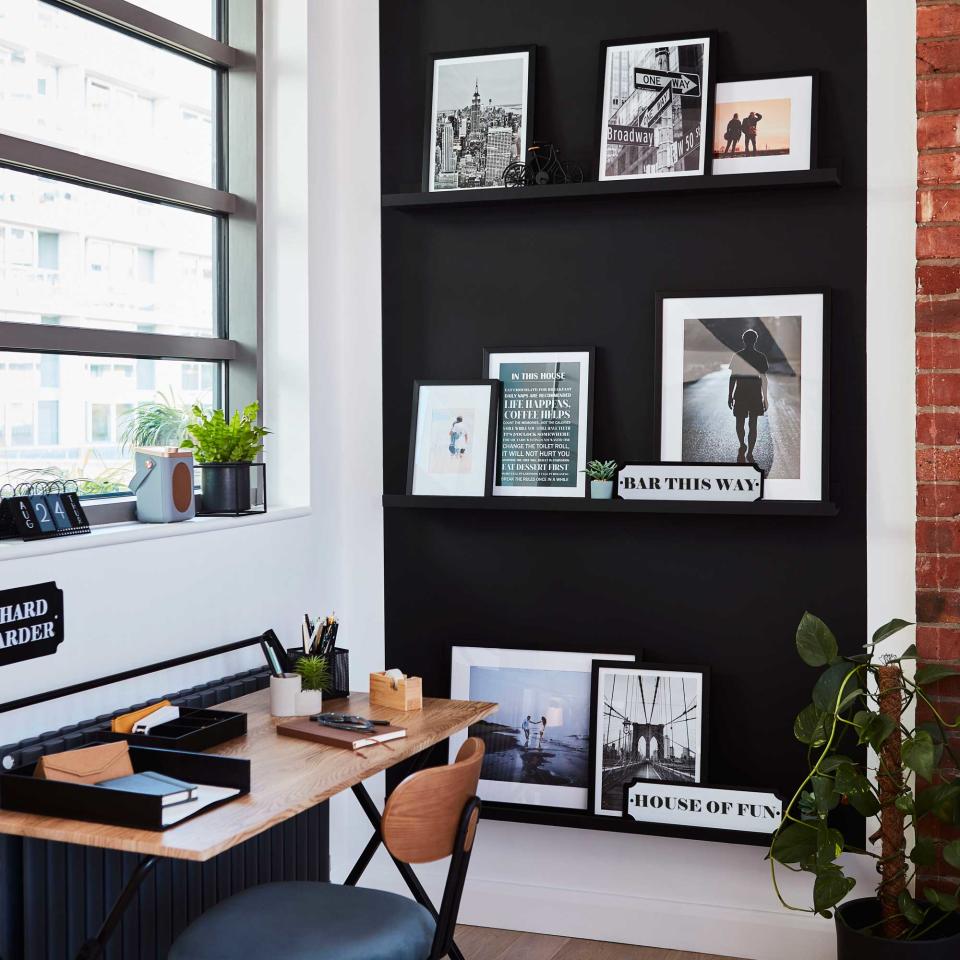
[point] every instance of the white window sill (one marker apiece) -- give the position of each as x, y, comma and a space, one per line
112, 533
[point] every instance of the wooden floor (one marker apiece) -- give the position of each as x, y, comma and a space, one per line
485, 943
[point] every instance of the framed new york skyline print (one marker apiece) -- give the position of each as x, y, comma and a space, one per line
743, 379
655, 115
479, 111
545, 423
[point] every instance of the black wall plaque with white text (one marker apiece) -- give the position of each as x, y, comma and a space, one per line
31, 622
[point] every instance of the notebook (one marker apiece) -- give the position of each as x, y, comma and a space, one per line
350, 739
152, 784
206, 796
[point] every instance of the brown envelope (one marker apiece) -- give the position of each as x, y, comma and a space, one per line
124, 723
86, 765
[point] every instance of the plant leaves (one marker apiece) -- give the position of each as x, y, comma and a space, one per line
932, 672
924, 852
943, 801
824, 793
889, 629
951, 853
816, 645
919, 753
830, 887
827, 688
873, 728
908, 907
829, 764
944, 901
794, 843
810, 726
829, 845
856, 788
910, 653
904, 803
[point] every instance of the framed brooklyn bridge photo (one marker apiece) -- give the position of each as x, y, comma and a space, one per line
655, 113
647, 722
479, 113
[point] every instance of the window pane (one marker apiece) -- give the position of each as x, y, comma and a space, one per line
85, 258
73, 428
199, 15
68, 81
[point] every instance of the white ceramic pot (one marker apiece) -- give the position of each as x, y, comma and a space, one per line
601, 489
283, 695
309, 702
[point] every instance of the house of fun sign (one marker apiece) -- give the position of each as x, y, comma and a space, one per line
714, 808
31, 622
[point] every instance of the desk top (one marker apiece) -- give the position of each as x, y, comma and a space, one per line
288, 776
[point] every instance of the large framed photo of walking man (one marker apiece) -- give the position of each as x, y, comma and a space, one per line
647, 722
655, 113
546, 420
452, 435
479, 113
743, 379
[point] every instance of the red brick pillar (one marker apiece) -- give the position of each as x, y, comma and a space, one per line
938, 359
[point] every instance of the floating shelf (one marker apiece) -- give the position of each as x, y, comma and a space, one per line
760, 508
722, 183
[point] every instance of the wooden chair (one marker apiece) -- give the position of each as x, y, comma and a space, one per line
431, 815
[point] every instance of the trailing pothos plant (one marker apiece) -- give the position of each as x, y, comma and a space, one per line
860, 701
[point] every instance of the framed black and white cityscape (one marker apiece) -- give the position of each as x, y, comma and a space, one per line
743, 379
765, 123
546, 420
479, 111
537, 743
452, 436
655, 116
647, 722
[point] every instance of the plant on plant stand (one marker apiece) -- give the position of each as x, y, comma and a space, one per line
601, 474
860, 701
230, 447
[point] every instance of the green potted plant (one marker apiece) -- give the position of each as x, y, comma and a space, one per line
601, 474
860, 701
228, 447
155, 423
314, 679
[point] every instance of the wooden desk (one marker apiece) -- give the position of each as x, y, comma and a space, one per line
288, 776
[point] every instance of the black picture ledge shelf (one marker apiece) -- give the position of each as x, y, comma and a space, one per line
723, 183
761, 508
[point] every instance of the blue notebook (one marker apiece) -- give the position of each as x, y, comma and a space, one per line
171, 790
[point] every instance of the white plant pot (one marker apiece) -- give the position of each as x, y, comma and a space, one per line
601, 489
309, 702
283, 695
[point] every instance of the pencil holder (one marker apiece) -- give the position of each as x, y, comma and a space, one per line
283, 695
309, 702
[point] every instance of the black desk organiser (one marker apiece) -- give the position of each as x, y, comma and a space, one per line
20, 790
192, 730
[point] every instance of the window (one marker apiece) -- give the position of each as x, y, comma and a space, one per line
124, 188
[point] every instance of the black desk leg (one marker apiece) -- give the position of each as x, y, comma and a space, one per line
93, 949
406, 871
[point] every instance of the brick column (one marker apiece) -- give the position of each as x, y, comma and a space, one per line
938, 360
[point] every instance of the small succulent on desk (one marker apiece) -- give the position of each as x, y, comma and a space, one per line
314, 673
602, 470
214, 439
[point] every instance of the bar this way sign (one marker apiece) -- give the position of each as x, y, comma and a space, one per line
31, 622
725, 482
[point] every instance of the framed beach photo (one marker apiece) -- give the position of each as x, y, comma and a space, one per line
452, 437
655, 114
743, 379
537, 743
479, 111
647, 722
546, 419
765, 123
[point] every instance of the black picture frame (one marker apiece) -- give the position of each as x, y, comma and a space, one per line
709, 81
815, 86
591, 392
493, 411
704, 708
428, 119
824, 292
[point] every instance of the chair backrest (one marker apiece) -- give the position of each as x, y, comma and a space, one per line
422, 815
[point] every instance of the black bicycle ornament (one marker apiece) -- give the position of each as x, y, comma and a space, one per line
543, 166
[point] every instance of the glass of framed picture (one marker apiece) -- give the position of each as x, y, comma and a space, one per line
765, 123
546, 420
452, 437
479, 111
743, 379
654, 107
647, 722
537, 743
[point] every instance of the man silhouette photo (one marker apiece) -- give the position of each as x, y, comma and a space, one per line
747, 392
732, 136
749, 127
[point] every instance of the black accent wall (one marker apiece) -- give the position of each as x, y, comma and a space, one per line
693, 589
